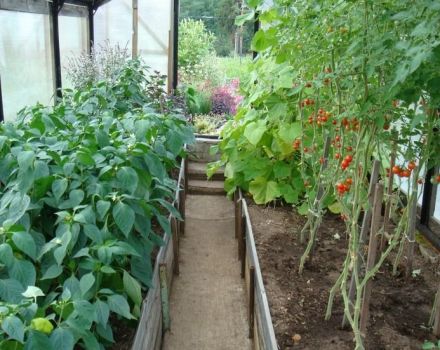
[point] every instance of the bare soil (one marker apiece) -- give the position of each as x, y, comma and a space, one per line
400, 308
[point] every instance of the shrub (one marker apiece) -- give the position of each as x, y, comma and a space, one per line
103, 64
225, 99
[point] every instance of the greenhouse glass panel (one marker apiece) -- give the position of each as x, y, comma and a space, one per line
154, 32
113, 23
25, 61
73, 41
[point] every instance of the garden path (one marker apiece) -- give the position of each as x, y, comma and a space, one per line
208, 302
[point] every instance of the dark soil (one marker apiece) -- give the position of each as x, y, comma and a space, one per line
400, 308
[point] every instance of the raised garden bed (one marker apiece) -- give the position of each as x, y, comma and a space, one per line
155, 317
400, 308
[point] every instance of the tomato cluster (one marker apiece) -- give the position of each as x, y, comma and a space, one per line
344, 187
296, 144
346, 162
402, 172
308, 102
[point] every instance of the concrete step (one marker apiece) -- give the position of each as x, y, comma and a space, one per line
197, 171
205, 187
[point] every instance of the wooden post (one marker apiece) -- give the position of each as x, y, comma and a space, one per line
386, 220
364, 232
436, 313
411, 235
185, 164
251, 301
236, 195
135, 34
243, 246
175, 237
164, 297
372, 252
182, 210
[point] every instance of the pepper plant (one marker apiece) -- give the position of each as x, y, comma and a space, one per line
84, 198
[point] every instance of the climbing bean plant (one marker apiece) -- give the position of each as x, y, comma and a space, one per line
362, 74
85, 192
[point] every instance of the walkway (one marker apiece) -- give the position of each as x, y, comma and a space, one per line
208, 302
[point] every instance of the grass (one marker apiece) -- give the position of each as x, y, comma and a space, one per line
234, 67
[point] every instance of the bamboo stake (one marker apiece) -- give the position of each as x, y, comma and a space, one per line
364, 232
372, 252
411, 236
386, 222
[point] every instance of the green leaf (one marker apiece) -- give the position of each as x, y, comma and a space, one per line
102, 312
289, 132
102, 208
17, 209
124, 217
128, 179
25, 160
94, 233
264, 191
62, 339
132, 288
6, 254
52, 272
335, 208
10, 291
90, 342
254, 131
86, 282
85, 158
118, 304
242, 19
14, 328
38, 341
25, 242
24, 272
59, 187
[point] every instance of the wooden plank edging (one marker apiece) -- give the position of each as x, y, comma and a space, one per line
150, 328
262, 318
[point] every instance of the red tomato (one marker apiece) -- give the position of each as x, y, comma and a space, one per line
396, 170
411, 165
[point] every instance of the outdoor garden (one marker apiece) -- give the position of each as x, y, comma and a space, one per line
327, 119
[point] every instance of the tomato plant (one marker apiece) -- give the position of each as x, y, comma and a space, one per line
363, 75
85, 194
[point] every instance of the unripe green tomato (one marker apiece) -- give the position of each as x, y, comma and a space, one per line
42, 325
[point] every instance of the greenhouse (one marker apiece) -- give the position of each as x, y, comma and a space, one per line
229, 174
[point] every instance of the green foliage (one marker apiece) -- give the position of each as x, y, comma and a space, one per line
196, 101
196, 44
82, 186
363, 75
218, 17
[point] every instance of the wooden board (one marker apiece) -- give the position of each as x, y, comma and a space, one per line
150, 329
264, 334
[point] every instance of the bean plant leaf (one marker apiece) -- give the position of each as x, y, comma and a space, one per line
124, 217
